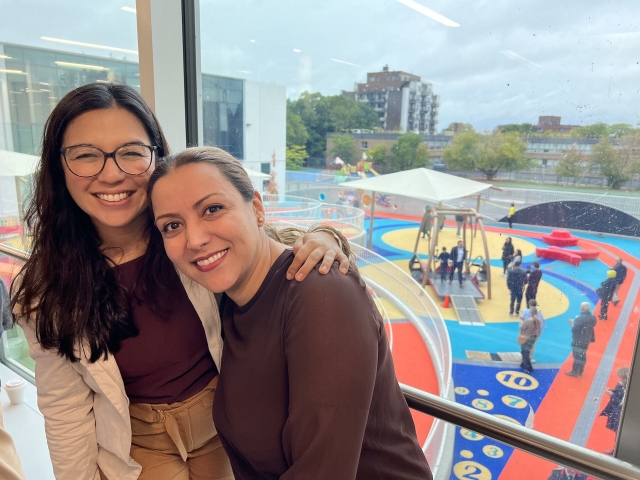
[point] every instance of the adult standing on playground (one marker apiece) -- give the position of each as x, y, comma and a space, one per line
533, 282
516, 280
517, 257
529, 333
582, 334
425, 227
458, 256
121, 341
512, 212
621, 275
460, 222
605, 292
507, 255
613, 410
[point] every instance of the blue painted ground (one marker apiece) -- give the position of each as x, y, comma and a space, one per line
498, 391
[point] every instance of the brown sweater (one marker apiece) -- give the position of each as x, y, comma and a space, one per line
308, 388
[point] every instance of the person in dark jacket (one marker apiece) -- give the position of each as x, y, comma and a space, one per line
567, 474
458, 256
533, 282
621, 275
613, 410
444, 263
605, 292
582, 334
507, 255
516, 280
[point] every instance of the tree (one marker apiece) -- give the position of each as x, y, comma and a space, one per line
618, 130
571, 165
486, 153
321, 115
459, 127
523, 129
295, 156
597, 130
379, 156
297, 133
408, 152
343, 148
618, 164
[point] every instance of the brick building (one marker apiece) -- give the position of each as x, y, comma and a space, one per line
403, 102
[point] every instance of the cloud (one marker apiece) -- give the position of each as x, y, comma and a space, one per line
507, 62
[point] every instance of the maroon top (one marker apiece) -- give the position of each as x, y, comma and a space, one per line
308, 388
534, 280
169, 360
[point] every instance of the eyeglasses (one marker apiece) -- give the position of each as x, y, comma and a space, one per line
89, 161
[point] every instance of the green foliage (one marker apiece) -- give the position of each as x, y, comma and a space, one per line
597, 130
408, 152
523, 129
618, 130
486, 153
321, 115
571, 165
460, 127
297, 133
379, 156
296, 155
618, 164
343, 148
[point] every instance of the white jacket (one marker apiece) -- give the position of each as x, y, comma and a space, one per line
86, 409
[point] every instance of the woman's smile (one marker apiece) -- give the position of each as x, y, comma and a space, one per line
210, 262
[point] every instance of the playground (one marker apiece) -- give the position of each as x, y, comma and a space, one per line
486, 373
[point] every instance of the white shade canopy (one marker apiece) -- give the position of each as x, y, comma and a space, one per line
14, 164
420, 183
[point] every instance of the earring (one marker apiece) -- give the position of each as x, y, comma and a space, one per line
260, 220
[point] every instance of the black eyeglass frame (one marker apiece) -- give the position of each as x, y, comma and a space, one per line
152, 149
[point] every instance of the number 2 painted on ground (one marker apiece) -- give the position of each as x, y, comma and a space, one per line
471, 471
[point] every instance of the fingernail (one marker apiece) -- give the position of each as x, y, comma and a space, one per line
289, 276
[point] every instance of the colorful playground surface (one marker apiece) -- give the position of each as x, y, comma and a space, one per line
486, 373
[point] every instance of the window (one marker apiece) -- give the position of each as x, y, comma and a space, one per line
364, 145
265, 167
223, 113
43, 56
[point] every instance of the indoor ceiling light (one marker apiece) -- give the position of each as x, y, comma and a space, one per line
2, 55
429, 13
17, 72
519, 58
342, 61
129, 9
81, 66
91, 45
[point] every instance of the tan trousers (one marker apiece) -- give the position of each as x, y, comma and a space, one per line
179, 441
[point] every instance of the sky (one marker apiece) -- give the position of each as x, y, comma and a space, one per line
508, 61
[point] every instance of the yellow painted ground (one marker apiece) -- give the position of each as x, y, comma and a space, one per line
551, 300
392, 312
405, 239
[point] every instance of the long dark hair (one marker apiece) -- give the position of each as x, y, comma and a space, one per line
68, 286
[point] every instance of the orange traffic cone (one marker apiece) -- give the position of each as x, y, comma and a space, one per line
447, 302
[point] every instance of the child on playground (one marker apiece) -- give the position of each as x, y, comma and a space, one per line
444, 263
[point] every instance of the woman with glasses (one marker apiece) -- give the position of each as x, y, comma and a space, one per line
127, 351
307, 391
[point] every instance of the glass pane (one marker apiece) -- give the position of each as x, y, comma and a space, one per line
543, 111
43, 56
